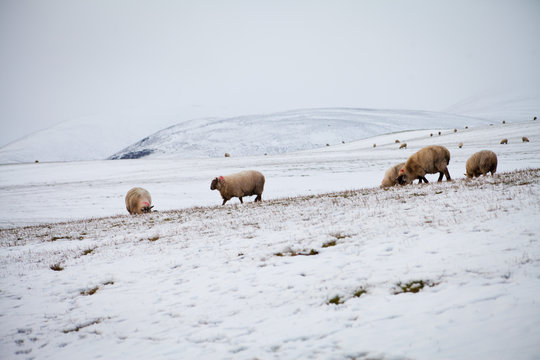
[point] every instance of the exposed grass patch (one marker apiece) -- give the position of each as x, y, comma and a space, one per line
91, 291
336, 300
298, 253
340, 235
360, 292
56, 267
329, 243
54, 238
88, 251
413, 286
82, 326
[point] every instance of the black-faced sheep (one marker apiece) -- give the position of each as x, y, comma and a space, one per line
390, 176
525, 139
245, 183
429, 160
403, 146
504, 141
481, 163
138, 201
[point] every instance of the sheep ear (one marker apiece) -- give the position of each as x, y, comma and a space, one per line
221, 179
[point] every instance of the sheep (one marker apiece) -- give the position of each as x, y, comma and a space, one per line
138, 201
397, 141
227, 155
431, 134
466, 127
403, 146
439, 133
525, 139
428, 160
460, 145
245, 183
390, 176
455, 130
481, 163
504, 122
374, 145
504, 141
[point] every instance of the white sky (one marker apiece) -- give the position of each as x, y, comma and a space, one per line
67, 59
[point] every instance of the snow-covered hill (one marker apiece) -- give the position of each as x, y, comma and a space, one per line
284, 132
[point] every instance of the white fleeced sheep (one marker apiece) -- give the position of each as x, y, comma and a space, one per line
480, 163
390, 176
429, 160
138, 201
245, 183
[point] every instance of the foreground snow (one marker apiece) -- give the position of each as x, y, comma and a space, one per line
222, 282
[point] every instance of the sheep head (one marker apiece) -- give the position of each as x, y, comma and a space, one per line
404, 178
216, 183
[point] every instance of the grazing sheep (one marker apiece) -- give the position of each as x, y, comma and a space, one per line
138, 201
374, 145
534, 118
227, 155
431, 134
466, 127
525, 139
397, 141
455, 130
245, 183
390, 176
439, 133
403, 146
504, 141
504, 122
481, 163
428, 160
460, 145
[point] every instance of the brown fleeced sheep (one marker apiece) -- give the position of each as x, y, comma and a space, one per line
525, 139
429, 160
245, 183
390, 176
397, 141
481, 163
403, 146
504, 141
138, 201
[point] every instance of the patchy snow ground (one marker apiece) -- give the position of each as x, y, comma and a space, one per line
303, 277
308, 277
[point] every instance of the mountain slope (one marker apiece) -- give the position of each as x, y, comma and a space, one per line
284, 132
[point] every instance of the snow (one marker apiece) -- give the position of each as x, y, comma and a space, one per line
200, 280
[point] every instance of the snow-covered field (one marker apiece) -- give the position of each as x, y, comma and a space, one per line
316, 276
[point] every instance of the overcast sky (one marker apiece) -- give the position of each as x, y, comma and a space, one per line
63, 60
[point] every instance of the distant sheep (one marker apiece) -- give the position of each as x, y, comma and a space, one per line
138, 201
245, 183
397, 141
504, 141
481, 163
403, 146
525, 139
390, 176
439, 133
429, 160
431, 134
504, 122
460, 145
534, 118
227, 155
455, 130
374, 145
466, 127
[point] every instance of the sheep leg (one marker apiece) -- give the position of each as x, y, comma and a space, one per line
447, 174
258, 198
422, 178
241, 201
224, 201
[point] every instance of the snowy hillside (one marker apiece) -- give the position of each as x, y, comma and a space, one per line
437, 271
89, 138
284, 132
